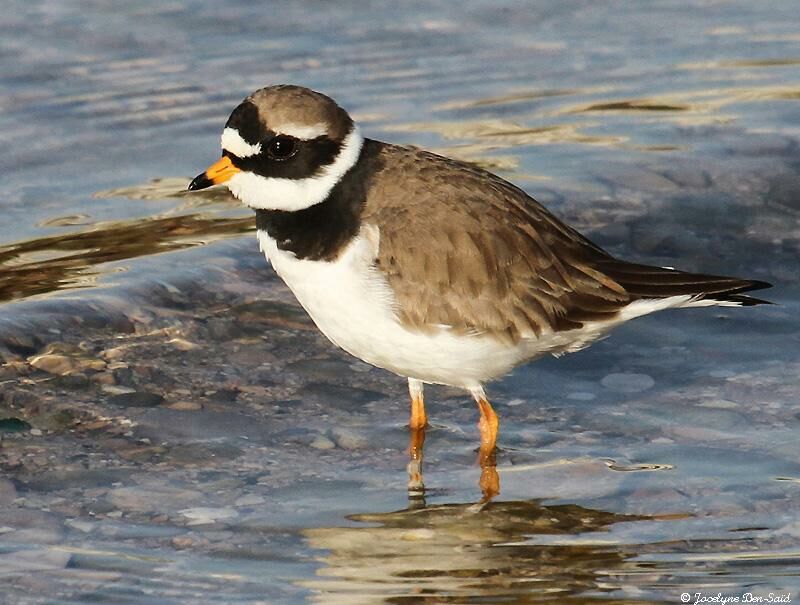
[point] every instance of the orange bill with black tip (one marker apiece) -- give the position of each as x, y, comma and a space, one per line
216, 174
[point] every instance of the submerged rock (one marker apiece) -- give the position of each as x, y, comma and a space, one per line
628, 383
137, 399
61, 365
14, 425
8, 492
349, 439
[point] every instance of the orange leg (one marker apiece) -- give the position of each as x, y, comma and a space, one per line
416, 427
419, 419
488, 426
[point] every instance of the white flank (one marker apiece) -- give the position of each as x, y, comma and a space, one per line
232, 141
708, 302
575, 340
353, 305
270, 193
645, 306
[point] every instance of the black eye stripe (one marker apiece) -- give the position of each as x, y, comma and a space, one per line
235, 159
308, 158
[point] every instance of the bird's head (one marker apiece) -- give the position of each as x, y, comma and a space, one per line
284, 148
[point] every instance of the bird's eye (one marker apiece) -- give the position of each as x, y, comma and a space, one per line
282, 147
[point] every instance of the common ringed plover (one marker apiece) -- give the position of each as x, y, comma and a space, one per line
431, 268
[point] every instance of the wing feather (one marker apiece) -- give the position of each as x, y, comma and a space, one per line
463, 248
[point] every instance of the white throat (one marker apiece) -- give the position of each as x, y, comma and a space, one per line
272, 193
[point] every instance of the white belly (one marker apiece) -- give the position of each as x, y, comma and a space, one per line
353, 305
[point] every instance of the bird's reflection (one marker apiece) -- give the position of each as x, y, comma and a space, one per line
489, 482
502, 551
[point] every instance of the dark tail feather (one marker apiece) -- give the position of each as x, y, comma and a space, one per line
644, 281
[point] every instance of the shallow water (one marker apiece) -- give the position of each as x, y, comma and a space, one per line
174, 430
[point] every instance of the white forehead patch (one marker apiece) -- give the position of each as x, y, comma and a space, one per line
232, 141
305, 133
273, 193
